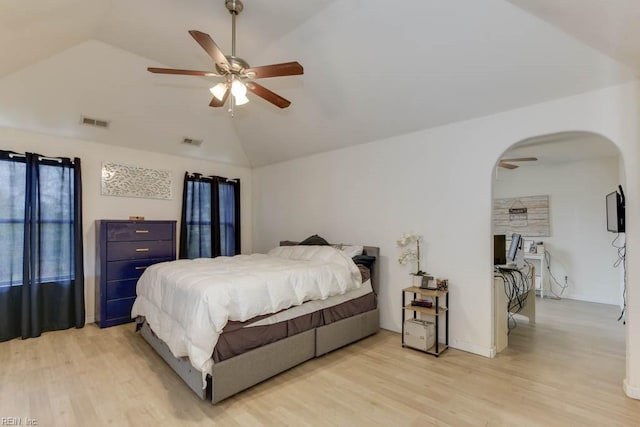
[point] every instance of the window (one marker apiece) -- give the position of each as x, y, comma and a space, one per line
210, 223
12, 203
41, 271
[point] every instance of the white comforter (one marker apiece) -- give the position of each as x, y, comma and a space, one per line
187, 303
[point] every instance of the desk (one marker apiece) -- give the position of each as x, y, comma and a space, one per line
539, 284
501, 316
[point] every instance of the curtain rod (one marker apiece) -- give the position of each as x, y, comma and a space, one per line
194, 174
56, 159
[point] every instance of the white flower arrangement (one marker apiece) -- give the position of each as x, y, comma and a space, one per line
410, 254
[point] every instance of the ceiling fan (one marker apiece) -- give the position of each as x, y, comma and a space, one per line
238, 75
504, 163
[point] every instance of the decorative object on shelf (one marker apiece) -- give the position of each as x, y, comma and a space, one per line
419, 334
410, 254
441, 284
421, 302
428, 282
406, 242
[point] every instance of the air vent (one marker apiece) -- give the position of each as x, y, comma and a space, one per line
94, 122
191, 141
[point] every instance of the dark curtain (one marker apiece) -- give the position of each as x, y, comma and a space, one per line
210, 223
195, 227
227, 215
41, 268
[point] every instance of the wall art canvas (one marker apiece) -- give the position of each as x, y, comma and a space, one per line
528, 216
132, 181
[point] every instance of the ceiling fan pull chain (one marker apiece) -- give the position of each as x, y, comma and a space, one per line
230, 111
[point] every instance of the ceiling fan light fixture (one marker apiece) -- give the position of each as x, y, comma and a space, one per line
238, 89
236, 71
219, 90
240, 99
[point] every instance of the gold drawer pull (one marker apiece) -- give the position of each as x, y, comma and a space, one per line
142, 249
142, 231
142, 267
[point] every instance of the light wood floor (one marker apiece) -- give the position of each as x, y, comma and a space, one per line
567, 370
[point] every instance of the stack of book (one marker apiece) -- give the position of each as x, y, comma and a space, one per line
422, 302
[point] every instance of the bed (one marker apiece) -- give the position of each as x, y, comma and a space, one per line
250, 351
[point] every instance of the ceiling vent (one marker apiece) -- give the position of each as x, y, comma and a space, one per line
191, 141
94, 122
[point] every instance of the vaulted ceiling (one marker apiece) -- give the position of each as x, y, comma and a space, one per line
373, 68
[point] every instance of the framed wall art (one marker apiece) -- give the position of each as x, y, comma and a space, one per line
527, 215
131, 181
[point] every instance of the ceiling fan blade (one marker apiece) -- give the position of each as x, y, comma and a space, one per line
215, 102
507, 165
266, 94
183, 72
211, 47
521, 159
275, 70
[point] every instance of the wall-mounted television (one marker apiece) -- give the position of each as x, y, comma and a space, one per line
615, 211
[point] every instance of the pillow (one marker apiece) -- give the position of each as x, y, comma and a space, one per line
352, 251
321, 254
366, 260
314, 240
364, 272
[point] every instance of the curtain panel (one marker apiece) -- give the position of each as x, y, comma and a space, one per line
41, 253
210, 223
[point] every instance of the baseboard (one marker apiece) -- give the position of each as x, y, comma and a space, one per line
473, 348
632, 392
90, 319
585, 298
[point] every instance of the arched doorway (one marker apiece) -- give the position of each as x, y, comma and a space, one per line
575, 170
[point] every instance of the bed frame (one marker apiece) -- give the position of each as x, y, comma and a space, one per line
245, 370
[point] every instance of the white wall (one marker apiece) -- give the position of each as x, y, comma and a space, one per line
579, 245
95, 206
438, 182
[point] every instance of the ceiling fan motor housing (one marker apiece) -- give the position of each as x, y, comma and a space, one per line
238, 65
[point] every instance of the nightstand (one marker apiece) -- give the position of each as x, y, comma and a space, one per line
438, 311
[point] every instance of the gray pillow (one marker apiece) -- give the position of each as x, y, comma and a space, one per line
314, 240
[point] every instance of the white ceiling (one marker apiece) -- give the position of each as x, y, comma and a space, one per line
372, 70
610, 26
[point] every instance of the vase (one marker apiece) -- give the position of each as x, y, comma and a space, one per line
417, 280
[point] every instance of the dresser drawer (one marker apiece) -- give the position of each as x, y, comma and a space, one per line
121, 270
119, 308
128, 231
121, 289
137, 250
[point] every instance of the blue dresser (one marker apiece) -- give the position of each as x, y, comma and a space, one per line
124, 249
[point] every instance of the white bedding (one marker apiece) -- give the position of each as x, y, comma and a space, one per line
187, 303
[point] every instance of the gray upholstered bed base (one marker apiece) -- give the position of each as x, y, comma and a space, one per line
245, 370
241, 372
